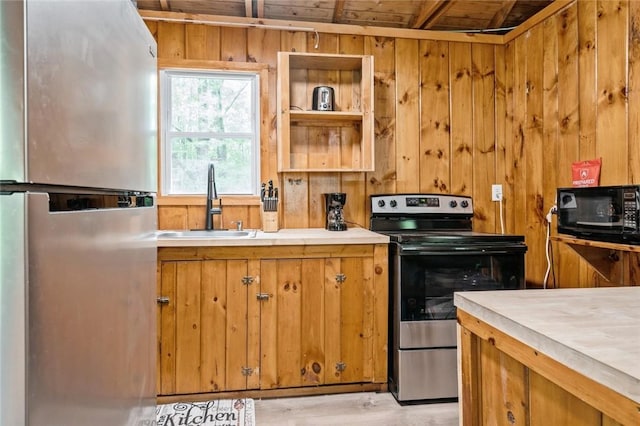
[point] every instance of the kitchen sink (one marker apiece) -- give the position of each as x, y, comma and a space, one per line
203, 233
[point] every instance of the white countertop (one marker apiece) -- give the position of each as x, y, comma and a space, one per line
284, 237
594, 331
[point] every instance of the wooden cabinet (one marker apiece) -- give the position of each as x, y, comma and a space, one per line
338, 140
266, 318
207, 324
318, 323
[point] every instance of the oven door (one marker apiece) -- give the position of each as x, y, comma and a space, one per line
425, 280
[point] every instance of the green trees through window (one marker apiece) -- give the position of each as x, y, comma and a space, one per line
210, 117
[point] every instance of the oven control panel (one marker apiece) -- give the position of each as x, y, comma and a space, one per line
421, 203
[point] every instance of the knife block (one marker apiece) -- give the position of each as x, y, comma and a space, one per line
269, 221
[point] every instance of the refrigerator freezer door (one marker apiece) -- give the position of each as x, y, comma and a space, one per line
91, 95
12, 310
92, 308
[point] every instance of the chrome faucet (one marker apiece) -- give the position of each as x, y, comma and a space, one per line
212, 194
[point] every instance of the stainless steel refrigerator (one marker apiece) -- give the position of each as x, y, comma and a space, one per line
77, 214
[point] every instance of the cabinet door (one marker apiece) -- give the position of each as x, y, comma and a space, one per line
349, 316
203, 326
316, 326
286, 341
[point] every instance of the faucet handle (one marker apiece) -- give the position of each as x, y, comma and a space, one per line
238, 224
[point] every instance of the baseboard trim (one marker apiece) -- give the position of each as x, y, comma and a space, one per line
275, 393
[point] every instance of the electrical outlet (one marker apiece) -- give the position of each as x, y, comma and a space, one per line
496, 192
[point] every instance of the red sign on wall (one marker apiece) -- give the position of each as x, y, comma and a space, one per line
586, 173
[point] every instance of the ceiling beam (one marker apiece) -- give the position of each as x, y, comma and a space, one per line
321, 27
552, 9
260, 6
428, 8
164, 5
248, 8
431, 12
502, 14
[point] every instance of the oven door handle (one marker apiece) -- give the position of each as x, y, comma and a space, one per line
461, 251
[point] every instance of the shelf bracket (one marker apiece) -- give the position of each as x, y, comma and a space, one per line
602, 260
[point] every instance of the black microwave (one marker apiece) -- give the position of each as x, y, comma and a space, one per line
604, 213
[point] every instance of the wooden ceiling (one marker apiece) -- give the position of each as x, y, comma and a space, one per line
442, 15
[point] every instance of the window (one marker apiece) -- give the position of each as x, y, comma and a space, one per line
210, 117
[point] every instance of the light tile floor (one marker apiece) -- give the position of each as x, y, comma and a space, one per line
368, 408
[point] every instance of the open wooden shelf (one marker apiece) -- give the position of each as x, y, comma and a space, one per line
323, 141
325, 116
601, 255
595, 244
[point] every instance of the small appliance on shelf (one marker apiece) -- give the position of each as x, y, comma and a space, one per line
601, 213
323, 98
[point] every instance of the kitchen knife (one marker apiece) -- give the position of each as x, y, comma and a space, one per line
262, 191
270, 191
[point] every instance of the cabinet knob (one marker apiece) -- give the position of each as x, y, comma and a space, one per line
162, 300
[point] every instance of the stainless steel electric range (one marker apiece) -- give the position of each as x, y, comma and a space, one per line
432, 254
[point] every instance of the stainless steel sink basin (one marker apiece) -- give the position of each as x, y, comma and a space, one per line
202, 233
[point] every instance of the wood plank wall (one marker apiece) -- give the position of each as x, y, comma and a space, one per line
456, 117
570, 85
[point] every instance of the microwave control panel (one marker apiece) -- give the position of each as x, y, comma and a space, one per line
631, 201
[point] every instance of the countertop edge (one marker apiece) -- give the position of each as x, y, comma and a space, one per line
599, 371
284, 237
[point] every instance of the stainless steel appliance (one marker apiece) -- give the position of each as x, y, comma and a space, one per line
334, 204
606, 213
432, 254
77, 214
323, 97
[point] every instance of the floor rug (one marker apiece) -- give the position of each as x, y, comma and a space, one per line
221, 412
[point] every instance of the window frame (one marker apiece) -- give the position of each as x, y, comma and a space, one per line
261, 71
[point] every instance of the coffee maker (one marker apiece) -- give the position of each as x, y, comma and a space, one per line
334, 203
